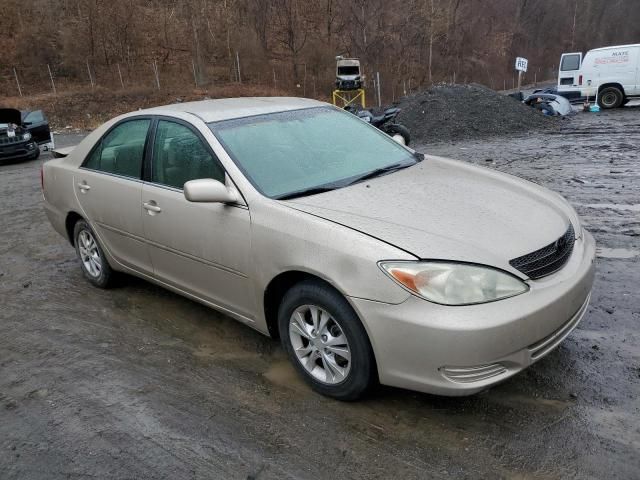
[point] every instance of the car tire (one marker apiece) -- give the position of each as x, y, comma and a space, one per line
36, 154
329, 348
399, 129
93, 261
610, 97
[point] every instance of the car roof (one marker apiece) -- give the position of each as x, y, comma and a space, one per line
228, 108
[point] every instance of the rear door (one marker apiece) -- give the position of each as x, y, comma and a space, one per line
199, 248
36, 123
569, 73
108, 187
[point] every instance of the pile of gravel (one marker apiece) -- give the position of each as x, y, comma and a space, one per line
454, 112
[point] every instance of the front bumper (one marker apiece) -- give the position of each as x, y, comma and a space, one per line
18, 151
462, 350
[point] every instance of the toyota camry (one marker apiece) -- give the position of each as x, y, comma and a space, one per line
371, 263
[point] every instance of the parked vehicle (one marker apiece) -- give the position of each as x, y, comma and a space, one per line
348, 75
21, 133
386, 122
369, 261
549, 104
610, 73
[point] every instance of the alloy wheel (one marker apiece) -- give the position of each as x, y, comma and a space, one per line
89, 253
320, 344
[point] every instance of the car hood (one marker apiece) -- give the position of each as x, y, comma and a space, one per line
444, 209
10, 115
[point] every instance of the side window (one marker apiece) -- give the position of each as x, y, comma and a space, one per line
179, 156
121, 150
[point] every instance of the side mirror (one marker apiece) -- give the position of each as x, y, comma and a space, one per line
208, 190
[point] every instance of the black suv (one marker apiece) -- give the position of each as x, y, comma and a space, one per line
22, 133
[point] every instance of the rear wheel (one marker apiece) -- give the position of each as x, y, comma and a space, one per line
93, 262
610, 97
325, 341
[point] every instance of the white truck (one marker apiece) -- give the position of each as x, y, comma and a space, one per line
611, 73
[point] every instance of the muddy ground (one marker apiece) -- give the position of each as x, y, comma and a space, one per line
137, 382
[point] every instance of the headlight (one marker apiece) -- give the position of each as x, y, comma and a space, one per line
452, 283
26, 136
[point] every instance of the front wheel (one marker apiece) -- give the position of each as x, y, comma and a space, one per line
399, 133
325, 341
610, 97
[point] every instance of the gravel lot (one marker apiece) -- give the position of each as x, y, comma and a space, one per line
137, 382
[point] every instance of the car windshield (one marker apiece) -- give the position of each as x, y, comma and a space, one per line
349, 70
300, 152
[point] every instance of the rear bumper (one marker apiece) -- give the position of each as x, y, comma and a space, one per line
463, 350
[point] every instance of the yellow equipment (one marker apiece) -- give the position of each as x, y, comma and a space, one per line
343, 98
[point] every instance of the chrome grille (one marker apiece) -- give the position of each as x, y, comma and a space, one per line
548, 259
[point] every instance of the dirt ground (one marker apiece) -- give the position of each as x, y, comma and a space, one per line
137, 382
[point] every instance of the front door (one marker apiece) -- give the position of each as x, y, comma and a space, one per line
108, 187
199, 248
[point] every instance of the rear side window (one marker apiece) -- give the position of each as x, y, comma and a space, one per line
570, 63
179, 156
121, 151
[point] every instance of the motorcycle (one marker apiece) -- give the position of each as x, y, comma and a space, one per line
385, 122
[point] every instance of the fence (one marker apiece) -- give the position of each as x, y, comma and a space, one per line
186, 74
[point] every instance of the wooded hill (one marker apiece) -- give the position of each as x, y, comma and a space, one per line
286, 43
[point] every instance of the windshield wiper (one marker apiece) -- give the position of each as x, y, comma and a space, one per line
307, 191
378, 172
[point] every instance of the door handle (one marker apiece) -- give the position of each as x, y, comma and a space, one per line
84, 188
152, 207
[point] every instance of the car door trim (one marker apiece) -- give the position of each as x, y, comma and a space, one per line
173, 250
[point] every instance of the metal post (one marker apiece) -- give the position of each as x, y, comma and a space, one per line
454, 77
15, 74
89, 72
314, 87
238, 64
155, 70
274, 78
51, 77
304, 81
120, 75
404, 87
519, 79
535, 79
378, 84
195, 77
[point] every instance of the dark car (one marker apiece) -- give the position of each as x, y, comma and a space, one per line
22, 133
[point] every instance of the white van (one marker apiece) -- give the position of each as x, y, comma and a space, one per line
611, 72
